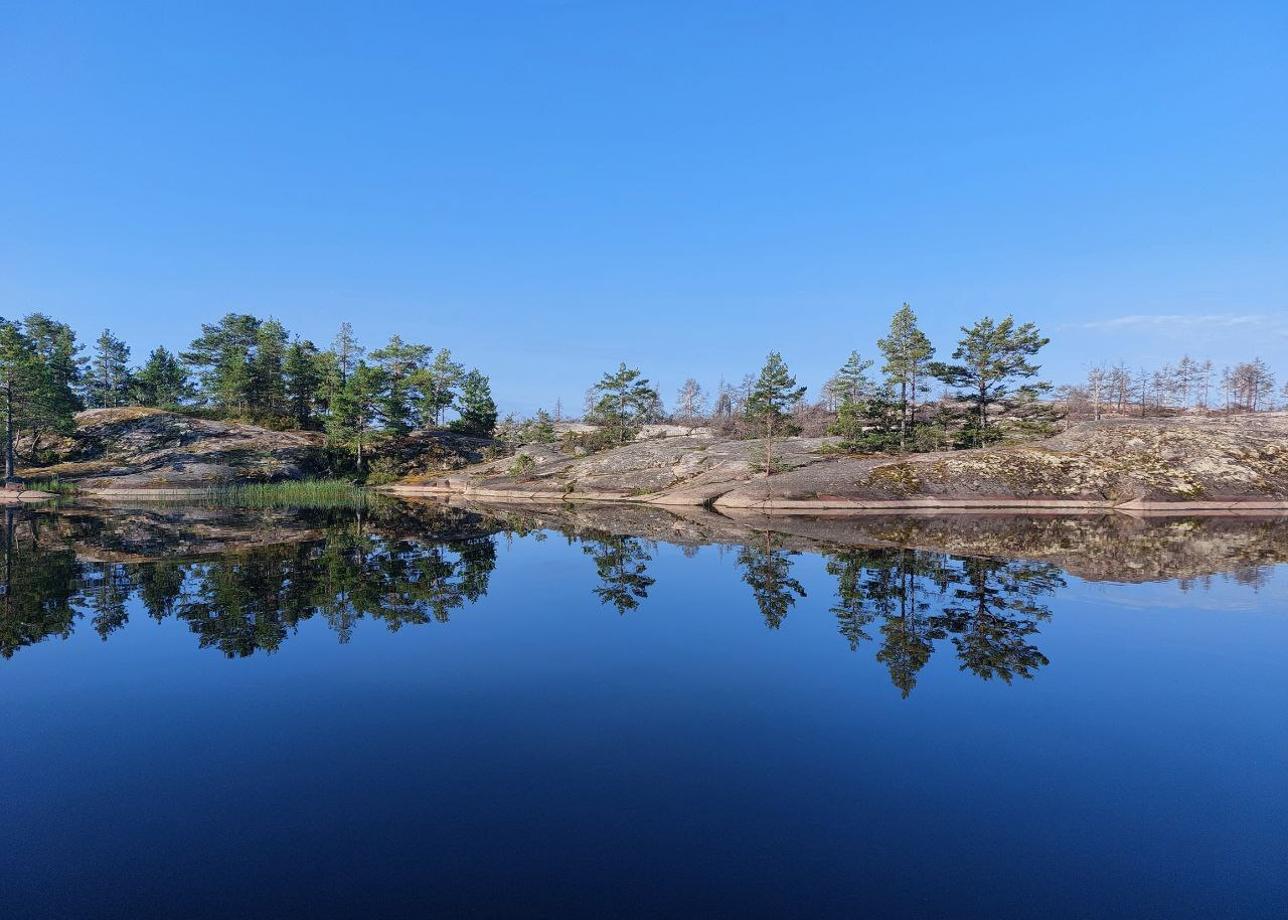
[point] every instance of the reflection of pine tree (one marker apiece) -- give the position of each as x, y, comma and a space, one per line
160, 587
622, 566
37, 589
477, 561
898, 589
767, 569
995, 611
108, 591
852, 611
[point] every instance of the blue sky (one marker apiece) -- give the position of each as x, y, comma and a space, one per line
551, 187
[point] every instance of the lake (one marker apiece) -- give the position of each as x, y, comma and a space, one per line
414, 709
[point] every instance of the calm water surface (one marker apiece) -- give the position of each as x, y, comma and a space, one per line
235, 714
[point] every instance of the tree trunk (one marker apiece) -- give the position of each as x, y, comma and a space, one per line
983, 412
8, 432
903, 410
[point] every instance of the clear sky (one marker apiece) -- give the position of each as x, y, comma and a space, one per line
551, 187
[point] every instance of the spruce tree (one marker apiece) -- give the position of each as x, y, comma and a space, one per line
19, 380
162, 383
770, 402
907, 352
476, 408
869, 424
302, 369
107, 385
267, 396
354, 409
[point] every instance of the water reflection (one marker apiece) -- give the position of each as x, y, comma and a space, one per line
242, 582
989, 608
622, 566
240, 602
766, 568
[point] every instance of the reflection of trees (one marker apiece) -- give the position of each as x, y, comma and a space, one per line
989, 608
767, 569
241, 602
894, 585
107, 588
622, 566
994, 610
37, 590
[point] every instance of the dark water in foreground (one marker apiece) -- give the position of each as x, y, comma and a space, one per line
239, 714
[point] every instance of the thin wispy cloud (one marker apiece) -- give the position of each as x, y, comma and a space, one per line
1171, 322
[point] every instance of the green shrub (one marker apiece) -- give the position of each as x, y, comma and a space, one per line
522, 466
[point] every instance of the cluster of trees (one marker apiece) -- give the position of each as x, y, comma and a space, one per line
240, 367
1188, 384
990, 375
986, 391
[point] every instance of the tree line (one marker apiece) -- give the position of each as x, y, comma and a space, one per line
986, 390
1187, 384
240, 367
990, 375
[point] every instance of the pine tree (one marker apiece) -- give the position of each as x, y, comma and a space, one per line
770, 402
476, 408
55, 348
222, 356
354, 410
623, 401
994, 356
162, 383
907, 352
407, 383
348, 352
851, 381
622, 565
444, 378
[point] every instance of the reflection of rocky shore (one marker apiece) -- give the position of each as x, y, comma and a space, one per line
906, 588
147, 532
1098, 547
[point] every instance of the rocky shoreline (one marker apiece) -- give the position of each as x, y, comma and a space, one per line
1177, 465
1181, 465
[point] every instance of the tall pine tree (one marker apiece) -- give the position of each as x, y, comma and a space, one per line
907, 352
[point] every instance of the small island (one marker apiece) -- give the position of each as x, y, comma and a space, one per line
249, 404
